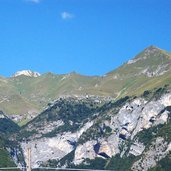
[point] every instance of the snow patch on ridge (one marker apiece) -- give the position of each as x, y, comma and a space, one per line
27, 73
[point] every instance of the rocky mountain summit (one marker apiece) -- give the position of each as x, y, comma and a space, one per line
150, 57
27, 73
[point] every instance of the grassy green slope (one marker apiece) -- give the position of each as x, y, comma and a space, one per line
129, 79
24, 94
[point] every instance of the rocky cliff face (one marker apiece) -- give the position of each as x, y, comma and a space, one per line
157, 151
78, 132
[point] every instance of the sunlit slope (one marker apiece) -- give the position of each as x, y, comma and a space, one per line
24, 94
149, 69
28, 95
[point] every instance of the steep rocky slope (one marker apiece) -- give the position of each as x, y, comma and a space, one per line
93, 133
10, 152
24, 96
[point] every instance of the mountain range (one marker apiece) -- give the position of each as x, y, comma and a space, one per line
27, 93
120, 121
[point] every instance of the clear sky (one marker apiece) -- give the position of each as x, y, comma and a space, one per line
91, 37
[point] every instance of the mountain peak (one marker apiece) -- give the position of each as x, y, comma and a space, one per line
152, 47
151, 51
27, 73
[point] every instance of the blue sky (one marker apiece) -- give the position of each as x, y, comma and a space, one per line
91, 37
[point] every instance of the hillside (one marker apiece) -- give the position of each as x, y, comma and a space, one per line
87, 133
78, 121
24, 96
8, 149
147, 70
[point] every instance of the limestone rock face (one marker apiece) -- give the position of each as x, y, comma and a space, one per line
49, 148
84, 151
166, 100
137, 149
44, 149
147, 115
107, 149
102, 148
138, 115
158, 150
132, 118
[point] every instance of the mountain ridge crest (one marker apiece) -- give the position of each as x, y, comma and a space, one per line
27, 73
